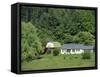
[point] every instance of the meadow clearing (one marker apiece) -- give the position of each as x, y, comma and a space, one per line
48, 61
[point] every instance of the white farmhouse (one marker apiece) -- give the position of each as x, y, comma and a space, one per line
75, 48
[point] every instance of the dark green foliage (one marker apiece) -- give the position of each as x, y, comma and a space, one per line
29, 41
86, 55
28, 56
63, 25
86, 38
56, 51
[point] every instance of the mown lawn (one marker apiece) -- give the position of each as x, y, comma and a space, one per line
60, 61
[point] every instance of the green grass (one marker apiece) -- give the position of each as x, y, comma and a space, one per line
60, 61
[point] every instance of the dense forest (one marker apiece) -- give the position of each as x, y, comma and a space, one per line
41, 25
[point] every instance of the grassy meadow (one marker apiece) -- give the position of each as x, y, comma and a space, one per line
61, 61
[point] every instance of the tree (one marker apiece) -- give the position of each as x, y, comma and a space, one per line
26, 13
29, 40
86, 38
68, 38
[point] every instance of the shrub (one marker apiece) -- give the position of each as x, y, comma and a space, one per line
49, 51
86, 55
29, 56
56, 51
23, 57
64, 56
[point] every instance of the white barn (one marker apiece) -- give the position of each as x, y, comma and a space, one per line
53, 45
76, 48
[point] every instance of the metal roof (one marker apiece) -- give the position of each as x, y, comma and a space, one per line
53, 44
76, 46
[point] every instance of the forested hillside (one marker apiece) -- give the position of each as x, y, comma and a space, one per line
40, 25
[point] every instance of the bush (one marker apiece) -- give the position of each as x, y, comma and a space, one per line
56, 51
64, 56
86, 55
23, 57
28, 56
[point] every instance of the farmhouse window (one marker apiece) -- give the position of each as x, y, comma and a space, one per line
68, 50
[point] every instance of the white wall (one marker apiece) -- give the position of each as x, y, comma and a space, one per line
64, 51
5, 39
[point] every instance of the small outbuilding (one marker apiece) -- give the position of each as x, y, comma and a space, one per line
51, 45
